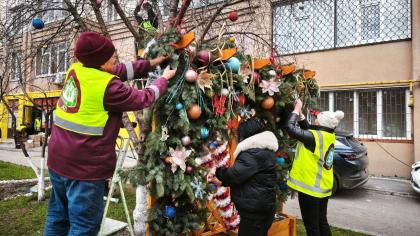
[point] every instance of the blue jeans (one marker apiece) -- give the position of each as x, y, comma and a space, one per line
75, 207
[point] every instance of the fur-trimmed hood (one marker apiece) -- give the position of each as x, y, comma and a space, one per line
264, 140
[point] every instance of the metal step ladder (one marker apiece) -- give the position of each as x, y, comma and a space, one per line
110, 226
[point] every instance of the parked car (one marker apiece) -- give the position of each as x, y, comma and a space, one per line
415, 176
350, 162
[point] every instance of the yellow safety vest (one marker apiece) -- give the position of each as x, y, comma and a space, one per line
312, 172
147, 25
37, 124
80, 108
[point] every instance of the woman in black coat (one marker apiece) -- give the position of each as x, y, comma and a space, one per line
252, 178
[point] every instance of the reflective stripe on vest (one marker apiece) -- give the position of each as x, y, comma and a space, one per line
308, 174
78, 128
80, 108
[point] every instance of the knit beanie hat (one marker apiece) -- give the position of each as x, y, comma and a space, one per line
93, 49
330, 119
249, 128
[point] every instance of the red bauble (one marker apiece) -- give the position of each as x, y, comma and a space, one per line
241, 99
189, 170
233, 16
203, 57
194, 112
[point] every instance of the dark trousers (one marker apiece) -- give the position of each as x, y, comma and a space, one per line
255, 226
75, 207
314, 215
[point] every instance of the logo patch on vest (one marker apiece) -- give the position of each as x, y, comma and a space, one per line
329, 157
71, 94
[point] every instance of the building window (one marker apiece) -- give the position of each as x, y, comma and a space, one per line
371, 113
15, 68
344, 101
370, 21
52, 60
310, 25
53, 10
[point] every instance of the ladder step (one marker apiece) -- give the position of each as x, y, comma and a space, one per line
112, 226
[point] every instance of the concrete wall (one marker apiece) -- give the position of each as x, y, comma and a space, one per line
381, 163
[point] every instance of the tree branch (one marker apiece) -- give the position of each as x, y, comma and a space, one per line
183, 10
99, 18
72, 9
158, 15
213, 18
174, 9
127, 23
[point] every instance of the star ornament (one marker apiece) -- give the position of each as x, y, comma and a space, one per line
270, 86
179, 157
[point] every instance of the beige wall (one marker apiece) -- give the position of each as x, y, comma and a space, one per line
383, 164
379, 62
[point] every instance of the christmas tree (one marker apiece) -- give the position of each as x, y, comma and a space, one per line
215, 88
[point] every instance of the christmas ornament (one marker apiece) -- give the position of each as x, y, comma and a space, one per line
179, 157
225, 92
281, 161
233, 16
204, 57
189, 170
168, 160
232, 40
219, 104
205, 80
191, 76
212, 145
213, 187
186, 140
179, 106
169, 212
233, 64
272, 73
194, 112
37, 23
197, 188
164, 135
270, 86
268, 103
205, 133
257, 78
241, 99
282, 186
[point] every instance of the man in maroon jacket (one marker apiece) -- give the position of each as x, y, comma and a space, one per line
79, 163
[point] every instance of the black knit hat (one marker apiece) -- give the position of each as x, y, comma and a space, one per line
249, 128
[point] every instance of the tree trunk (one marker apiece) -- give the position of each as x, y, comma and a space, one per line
140, 211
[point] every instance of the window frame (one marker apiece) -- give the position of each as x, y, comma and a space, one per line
59, 47
379, 113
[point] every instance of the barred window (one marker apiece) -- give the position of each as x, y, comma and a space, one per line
367, 112
372, 113
310, 25
343, 100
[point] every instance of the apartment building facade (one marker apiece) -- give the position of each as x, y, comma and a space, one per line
366, 54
